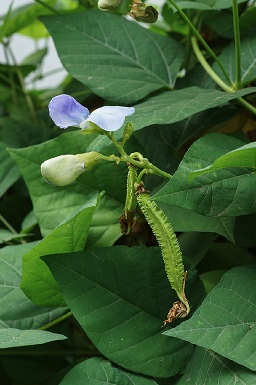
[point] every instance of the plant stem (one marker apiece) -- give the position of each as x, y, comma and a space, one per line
7, 224
24, 90
237, 44
208, 68
141, 163
199, 37
141, 174
10, 80
247, 105
56, 321
217, 79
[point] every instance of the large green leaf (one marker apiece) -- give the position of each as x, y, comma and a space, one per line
102, 372
120, 296
12, 338
116, 58
179, 133
37, 281
248, 60
186, 220
225, 322
16, 310
244, 156
209, 368
221, 193
9, 173
173, 106
52, 205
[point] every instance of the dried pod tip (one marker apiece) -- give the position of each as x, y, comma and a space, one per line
141, 12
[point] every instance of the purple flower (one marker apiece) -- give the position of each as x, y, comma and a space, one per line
65, 111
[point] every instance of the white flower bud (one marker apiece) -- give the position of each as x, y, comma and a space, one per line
62, 170
108, 5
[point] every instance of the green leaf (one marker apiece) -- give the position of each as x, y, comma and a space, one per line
211, 278
21, 17
16, 310
122, 62
190, 5
35, 30
6, 236
179, 133
9, 173
248, 60
35, 58
205, 194
121, 296
4, 24
244, 156
209, 368
52, 205
37, 281
102, 372
205, 4
18, 129
173, 106
10, 338
222, 4
225, 322
195, 245
186, 220
225, 256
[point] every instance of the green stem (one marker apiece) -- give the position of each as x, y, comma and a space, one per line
202, 41
237, 44
7, 224
56, 321
141, 175
141, 163
24, 90
217, 79
10, 74
208, 68
247, 105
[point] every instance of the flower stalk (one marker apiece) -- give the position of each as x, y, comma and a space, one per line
238, 83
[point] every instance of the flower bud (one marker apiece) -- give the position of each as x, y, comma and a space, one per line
128, 131
62, 170
108, 5
141, 12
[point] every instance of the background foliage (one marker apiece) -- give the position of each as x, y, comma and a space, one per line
80, 302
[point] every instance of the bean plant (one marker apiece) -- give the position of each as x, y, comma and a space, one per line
128, 210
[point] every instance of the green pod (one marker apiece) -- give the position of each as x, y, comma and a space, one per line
128, 218
170, 248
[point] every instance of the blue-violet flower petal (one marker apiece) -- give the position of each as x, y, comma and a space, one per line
65, 111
